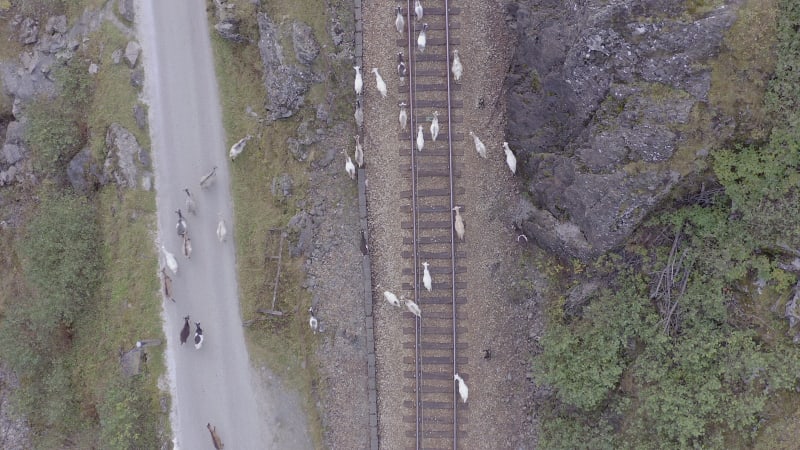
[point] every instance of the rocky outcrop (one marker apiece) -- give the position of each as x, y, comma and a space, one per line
31, 77
132, 51
83, 172
126, 10
228, 23
600, 107
286, 83
124, 158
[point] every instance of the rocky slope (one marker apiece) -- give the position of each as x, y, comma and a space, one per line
606, 101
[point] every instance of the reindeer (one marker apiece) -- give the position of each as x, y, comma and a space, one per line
181, 225
187, 246
167, 282
198, 336
185, 331
215, 437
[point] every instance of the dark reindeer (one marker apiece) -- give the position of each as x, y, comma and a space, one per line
185, 331
181, 225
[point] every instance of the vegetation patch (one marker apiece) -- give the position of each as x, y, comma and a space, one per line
78, 272
684, 343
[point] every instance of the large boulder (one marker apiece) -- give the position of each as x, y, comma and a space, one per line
601, 108
286, 84
132, 51
84, 173
305, 45
122, 152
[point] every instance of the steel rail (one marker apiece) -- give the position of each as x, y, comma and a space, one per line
452, 205
413, 117
412, 121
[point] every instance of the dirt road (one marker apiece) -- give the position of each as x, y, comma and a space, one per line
216, 383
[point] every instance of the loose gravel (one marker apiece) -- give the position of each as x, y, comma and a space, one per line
502, 310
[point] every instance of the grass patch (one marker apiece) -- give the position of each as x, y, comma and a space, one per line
114, 97
741, 74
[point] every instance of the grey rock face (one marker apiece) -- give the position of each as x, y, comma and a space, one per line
12, 153
125, 8
84, 173
123, 150
286, 84
140, 115
305, 46
600, 98
229, 29
56, 25
137, 78
27, 29
132, 51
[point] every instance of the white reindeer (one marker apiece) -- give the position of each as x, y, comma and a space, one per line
403, 118
358, 84
456, 68
479, 147
420, 138
359, 152
511, 160
426, 277
414, 308
379, 82
463, 390
458, 223
399, 22
349, 167
418, 9
222, 230
391, 298
422, 40
238, 147
172, 263
435, 126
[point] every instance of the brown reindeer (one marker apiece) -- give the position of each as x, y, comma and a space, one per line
187, 246
215, 437
167, 282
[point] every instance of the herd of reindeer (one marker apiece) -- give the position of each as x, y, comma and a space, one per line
171, 263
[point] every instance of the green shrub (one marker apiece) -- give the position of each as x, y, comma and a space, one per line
61, 263
61, 259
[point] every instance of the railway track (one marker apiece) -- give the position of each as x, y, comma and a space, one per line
433, 414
